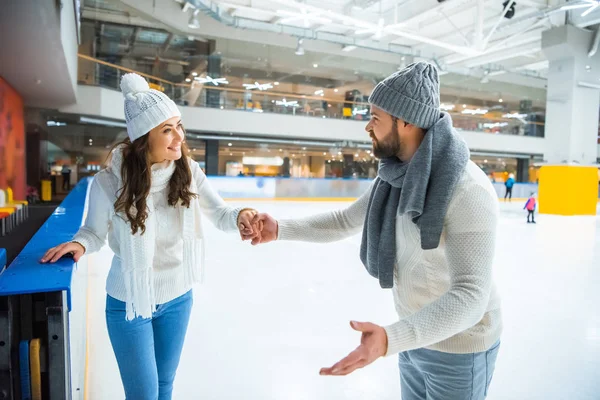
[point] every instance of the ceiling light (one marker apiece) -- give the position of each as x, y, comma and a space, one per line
464, 106
259, 86
306, 17
335, 90
377, 30
299, 48
475, 112
318, 92
188, 80
575, 6
324, 154
514, 115
276, 83
500, 100
446, 107
193, 23
315, 65
214, 81
349, 47
286, 103
194, 73
593, 6
229, 144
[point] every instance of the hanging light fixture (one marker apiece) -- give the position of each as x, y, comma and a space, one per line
193, 23
299, 48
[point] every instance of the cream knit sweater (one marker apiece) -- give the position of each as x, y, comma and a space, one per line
168, 272
445, 298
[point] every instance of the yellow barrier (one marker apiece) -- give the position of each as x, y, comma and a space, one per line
568, 190
46, 190
35, 369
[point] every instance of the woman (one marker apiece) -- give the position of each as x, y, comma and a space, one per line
148, 202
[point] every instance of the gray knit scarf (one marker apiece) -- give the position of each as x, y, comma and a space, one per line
422, 188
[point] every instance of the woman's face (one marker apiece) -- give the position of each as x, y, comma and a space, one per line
165, 141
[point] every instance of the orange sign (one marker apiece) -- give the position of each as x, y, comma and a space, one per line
12, 141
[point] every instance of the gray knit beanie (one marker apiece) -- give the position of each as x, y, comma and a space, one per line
412, 95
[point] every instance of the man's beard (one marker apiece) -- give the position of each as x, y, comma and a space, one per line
388, 147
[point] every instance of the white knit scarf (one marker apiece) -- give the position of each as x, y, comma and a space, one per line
137, 251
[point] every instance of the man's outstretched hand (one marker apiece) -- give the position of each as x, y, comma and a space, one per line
373, 344
270, 228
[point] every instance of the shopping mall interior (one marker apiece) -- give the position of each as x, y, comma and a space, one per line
274, 101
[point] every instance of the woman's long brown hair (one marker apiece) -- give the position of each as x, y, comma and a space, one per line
136, 173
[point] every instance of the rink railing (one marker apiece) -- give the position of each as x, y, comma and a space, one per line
43, 313
266, 188
325, 103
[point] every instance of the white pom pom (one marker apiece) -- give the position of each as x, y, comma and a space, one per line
133, 83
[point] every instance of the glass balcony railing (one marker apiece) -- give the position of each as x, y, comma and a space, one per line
213, 93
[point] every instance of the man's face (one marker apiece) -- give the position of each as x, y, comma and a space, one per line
383, 129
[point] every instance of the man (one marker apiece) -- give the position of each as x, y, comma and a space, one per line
429, 231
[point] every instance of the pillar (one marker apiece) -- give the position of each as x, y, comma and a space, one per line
569, 182
212, 157
213, 96
285, 168
522, 170
348, 170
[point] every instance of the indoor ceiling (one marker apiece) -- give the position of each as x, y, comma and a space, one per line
481, 53
502, 36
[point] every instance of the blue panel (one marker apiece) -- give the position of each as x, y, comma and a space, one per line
26, 274
2, 258
24, 370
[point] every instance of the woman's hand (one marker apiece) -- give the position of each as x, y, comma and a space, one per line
55, 253
248, 229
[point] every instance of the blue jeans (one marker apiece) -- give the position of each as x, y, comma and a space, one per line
433, 375
148, 349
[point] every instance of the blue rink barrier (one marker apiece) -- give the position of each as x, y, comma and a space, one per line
316, 188
2, 259
46, 302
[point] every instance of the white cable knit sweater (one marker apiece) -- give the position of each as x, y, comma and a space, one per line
168, 273
445, 297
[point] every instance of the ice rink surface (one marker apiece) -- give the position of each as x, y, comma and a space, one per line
267, 318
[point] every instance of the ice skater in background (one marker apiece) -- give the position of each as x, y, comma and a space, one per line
149, 203
510, 182
530, 207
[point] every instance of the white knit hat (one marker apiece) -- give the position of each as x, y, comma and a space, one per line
145, 108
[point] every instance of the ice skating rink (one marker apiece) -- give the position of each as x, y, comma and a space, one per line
267, 318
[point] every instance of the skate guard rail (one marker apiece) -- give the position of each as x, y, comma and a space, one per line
43, 312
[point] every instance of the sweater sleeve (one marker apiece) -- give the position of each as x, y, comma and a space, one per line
470, 244
222, 216
92, 235
327, 227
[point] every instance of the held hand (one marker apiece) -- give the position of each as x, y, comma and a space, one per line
248, 229
269, 228
373, 344
57, 252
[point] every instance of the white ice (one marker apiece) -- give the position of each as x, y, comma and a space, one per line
268, 318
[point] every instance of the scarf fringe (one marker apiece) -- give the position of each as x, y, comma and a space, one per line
138, 250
